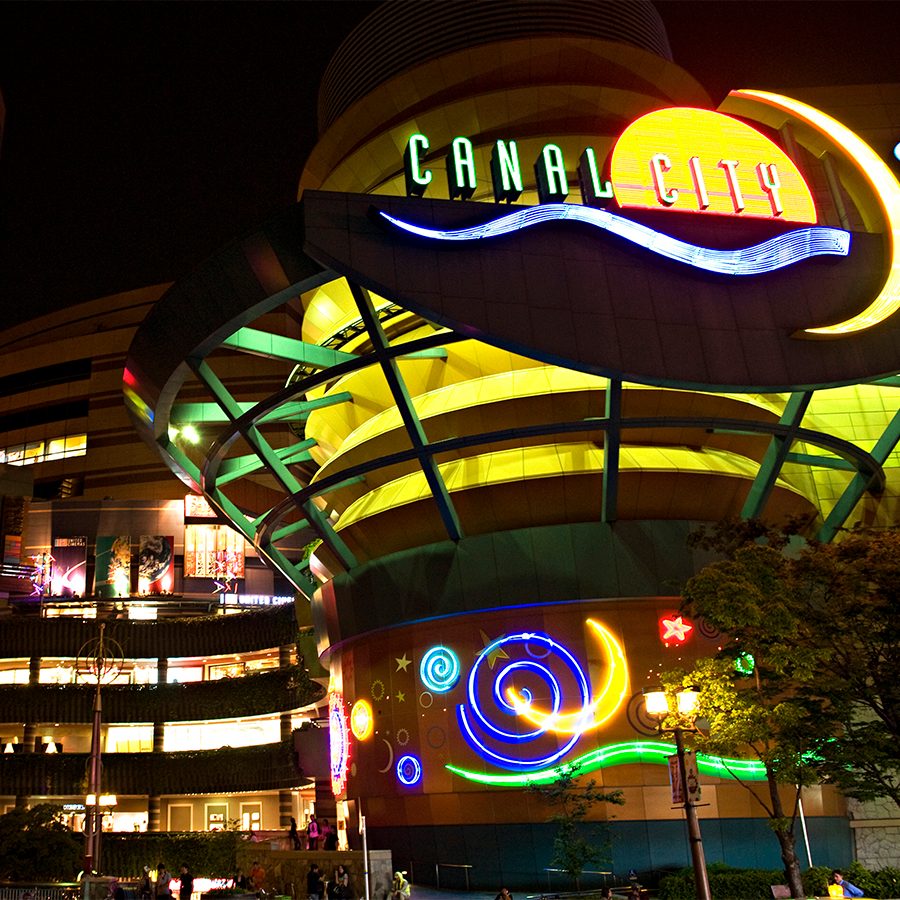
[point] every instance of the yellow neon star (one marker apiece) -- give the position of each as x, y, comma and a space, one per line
496, 653
401, 697
402, 662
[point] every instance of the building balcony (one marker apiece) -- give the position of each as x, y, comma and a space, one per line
229, 769
276, 690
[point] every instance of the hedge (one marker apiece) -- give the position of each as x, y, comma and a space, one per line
210, 854
726, 883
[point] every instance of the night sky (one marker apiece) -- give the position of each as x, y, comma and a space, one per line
140, 137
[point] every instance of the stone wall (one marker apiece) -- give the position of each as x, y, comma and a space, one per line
876, 831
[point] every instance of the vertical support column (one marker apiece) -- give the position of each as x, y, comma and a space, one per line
159, 733
153, 812
285, 810
34, 670
286, 728
162, 670
28, 736
326, 805
611, 446
284, 655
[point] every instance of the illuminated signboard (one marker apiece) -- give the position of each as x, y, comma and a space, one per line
684, 159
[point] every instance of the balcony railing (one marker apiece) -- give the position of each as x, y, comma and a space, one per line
260, 768
259, 629
275, 690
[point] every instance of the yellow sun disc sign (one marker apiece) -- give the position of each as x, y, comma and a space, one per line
702, 161
602, 705
876, 175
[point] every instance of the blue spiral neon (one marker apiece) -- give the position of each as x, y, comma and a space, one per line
439, 670
409, 770
775, 253
473, 715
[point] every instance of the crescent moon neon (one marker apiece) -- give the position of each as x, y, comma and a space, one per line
390, 761
603, 704
882, 183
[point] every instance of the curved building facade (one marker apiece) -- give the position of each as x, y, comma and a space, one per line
538, 312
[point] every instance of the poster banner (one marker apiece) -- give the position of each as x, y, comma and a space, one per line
112, 572
214, 551
675, 780
156, 570
69, 566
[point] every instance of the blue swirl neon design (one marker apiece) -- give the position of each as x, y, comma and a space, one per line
775, 253
409, 770
468, 720
439, 669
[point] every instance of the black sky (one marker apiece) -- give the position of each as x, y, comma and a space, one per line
142, 136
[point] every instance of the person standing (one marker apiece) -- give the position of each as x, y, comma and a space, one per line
312, 833
187, 883
850, 890
328, 836
163, 891
314, 883
145, 885
257, 876
294, 837
504, 894
340, 886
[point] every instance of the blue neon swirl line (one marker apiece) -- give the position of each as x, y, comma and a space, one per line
467, 726
775, 253
416, 773
439, 670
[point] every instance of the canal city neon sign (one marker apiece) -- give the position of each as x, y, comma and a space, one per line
680, 159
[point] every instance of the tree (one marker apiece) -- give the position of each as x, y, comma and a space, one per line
572, 850
820, 623
35, 845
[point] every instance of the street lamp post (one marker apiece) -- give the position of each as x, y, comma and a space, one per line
101, 659
656, 702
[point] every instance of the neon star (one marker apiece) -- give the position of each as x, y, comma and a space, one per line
676, 629
402, 662
495, 654
401, 697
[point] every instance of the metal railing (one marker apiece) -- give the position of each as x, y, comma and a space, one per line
437, 871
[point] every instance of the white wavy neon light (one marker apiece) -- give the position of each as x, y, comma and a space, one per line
775, 253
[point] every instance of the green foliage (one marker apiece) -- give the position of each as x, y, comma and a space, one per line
823, 624
574, 847
726, 883
35, 846
212, 854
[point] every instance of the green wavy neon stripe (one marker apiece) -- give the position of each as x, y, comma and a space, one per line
624, 753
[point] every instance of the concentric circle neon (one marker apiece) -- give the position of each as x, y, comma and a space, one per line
339, 743
362, 722
439, 669
409, 770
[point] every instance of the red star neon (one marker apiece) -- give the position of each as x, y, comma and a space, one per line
675, 629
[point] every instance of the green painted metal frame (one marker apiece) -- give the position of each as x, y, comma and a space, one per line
408, 415
776, 454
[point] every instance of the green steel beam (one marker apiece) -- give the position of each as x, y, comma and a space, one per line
229, 406
306, 586
274, 346
300, 409
407, 412
288, 530
890, 381
239, 466
208, 413
430, 353
825, 462
211, 413
860, 482
778, 449
612, 441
